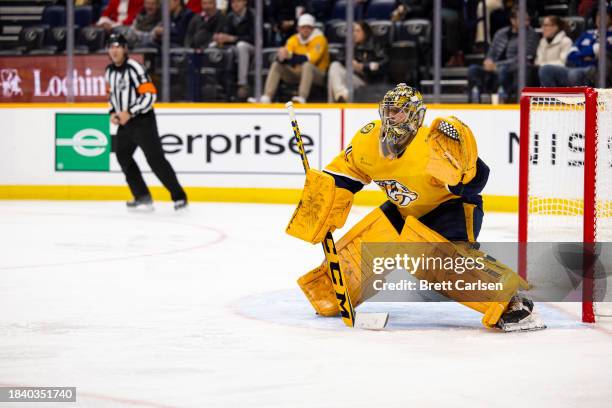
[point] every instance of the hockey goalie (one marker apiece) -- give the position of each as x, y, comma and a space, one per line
433, 178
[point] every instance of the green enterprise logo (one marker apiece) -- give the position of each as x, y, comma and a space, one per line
82, 142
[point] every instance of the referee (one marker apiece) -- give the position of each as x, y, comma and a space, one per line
131, 107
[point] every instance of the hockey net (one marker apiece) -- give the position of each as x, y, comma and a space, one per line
565, 192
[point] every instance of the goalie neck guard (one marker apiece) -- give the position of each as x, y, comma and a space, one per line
402, 112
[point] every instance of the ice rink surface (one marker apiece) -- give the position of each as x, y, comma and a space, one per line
201, 309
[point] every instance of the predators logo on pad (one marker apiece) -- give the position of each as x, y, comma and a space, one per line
398, 193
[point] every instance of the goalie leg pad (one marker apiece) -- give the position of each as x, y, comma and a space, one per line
317, 285
492, 303
376, 227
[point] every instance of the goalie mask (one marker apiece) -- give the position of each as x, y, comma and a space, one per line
402, 112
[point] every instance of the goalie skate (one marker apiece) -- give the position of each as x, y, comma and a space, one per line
519, 316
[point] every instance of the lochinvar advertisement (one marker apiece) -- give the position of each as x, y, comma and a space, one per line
44, 78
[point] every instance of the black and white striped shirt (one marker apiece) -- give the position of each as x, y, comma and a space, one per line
130, 88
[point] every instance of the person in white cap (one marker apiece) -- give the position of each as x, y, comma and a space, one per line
304, 59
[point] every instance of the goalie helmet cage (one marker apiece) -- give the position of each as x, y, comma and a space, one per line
565, 173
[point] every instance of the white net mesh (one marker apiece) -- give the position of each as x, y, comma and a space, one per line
556, 139
556, 168
556, 174
603, 194
603, 173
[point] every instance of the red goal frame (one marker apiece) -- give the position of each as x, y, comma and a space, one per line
590, 137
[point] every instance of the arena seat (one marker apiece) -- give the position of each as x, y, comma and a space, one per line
382, 31
83, 16
335, 32
90, 39
31, 38
339, 11
54, 16
380, 9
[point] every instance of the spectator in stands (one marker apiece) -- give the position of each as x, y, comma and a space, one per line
586, 7
283, 15
500, 64
144, 24
203, 26
368, 64
179, 19
304, 60
407, 9
118, 13
553, 48
194, 5
238, 33
581, 60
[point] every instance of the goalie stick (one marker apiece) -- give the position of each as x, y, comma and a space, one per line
370, 321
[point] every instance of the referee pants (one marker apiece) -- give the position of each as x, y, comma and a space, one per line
141, 131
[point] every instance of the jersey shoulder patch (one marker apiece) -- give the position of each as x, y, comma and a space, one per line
368, 128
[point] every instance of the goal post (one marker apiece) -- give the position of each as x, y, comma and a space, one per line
565, 173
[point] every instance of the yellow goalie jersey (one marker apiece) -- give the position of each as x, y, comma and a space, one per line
406, 180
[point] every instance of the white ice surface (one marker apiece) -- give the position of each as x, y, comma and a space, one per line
201, 309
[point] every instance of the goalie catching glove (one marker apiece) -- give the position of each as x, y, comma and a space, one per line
323, 207
453, 151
